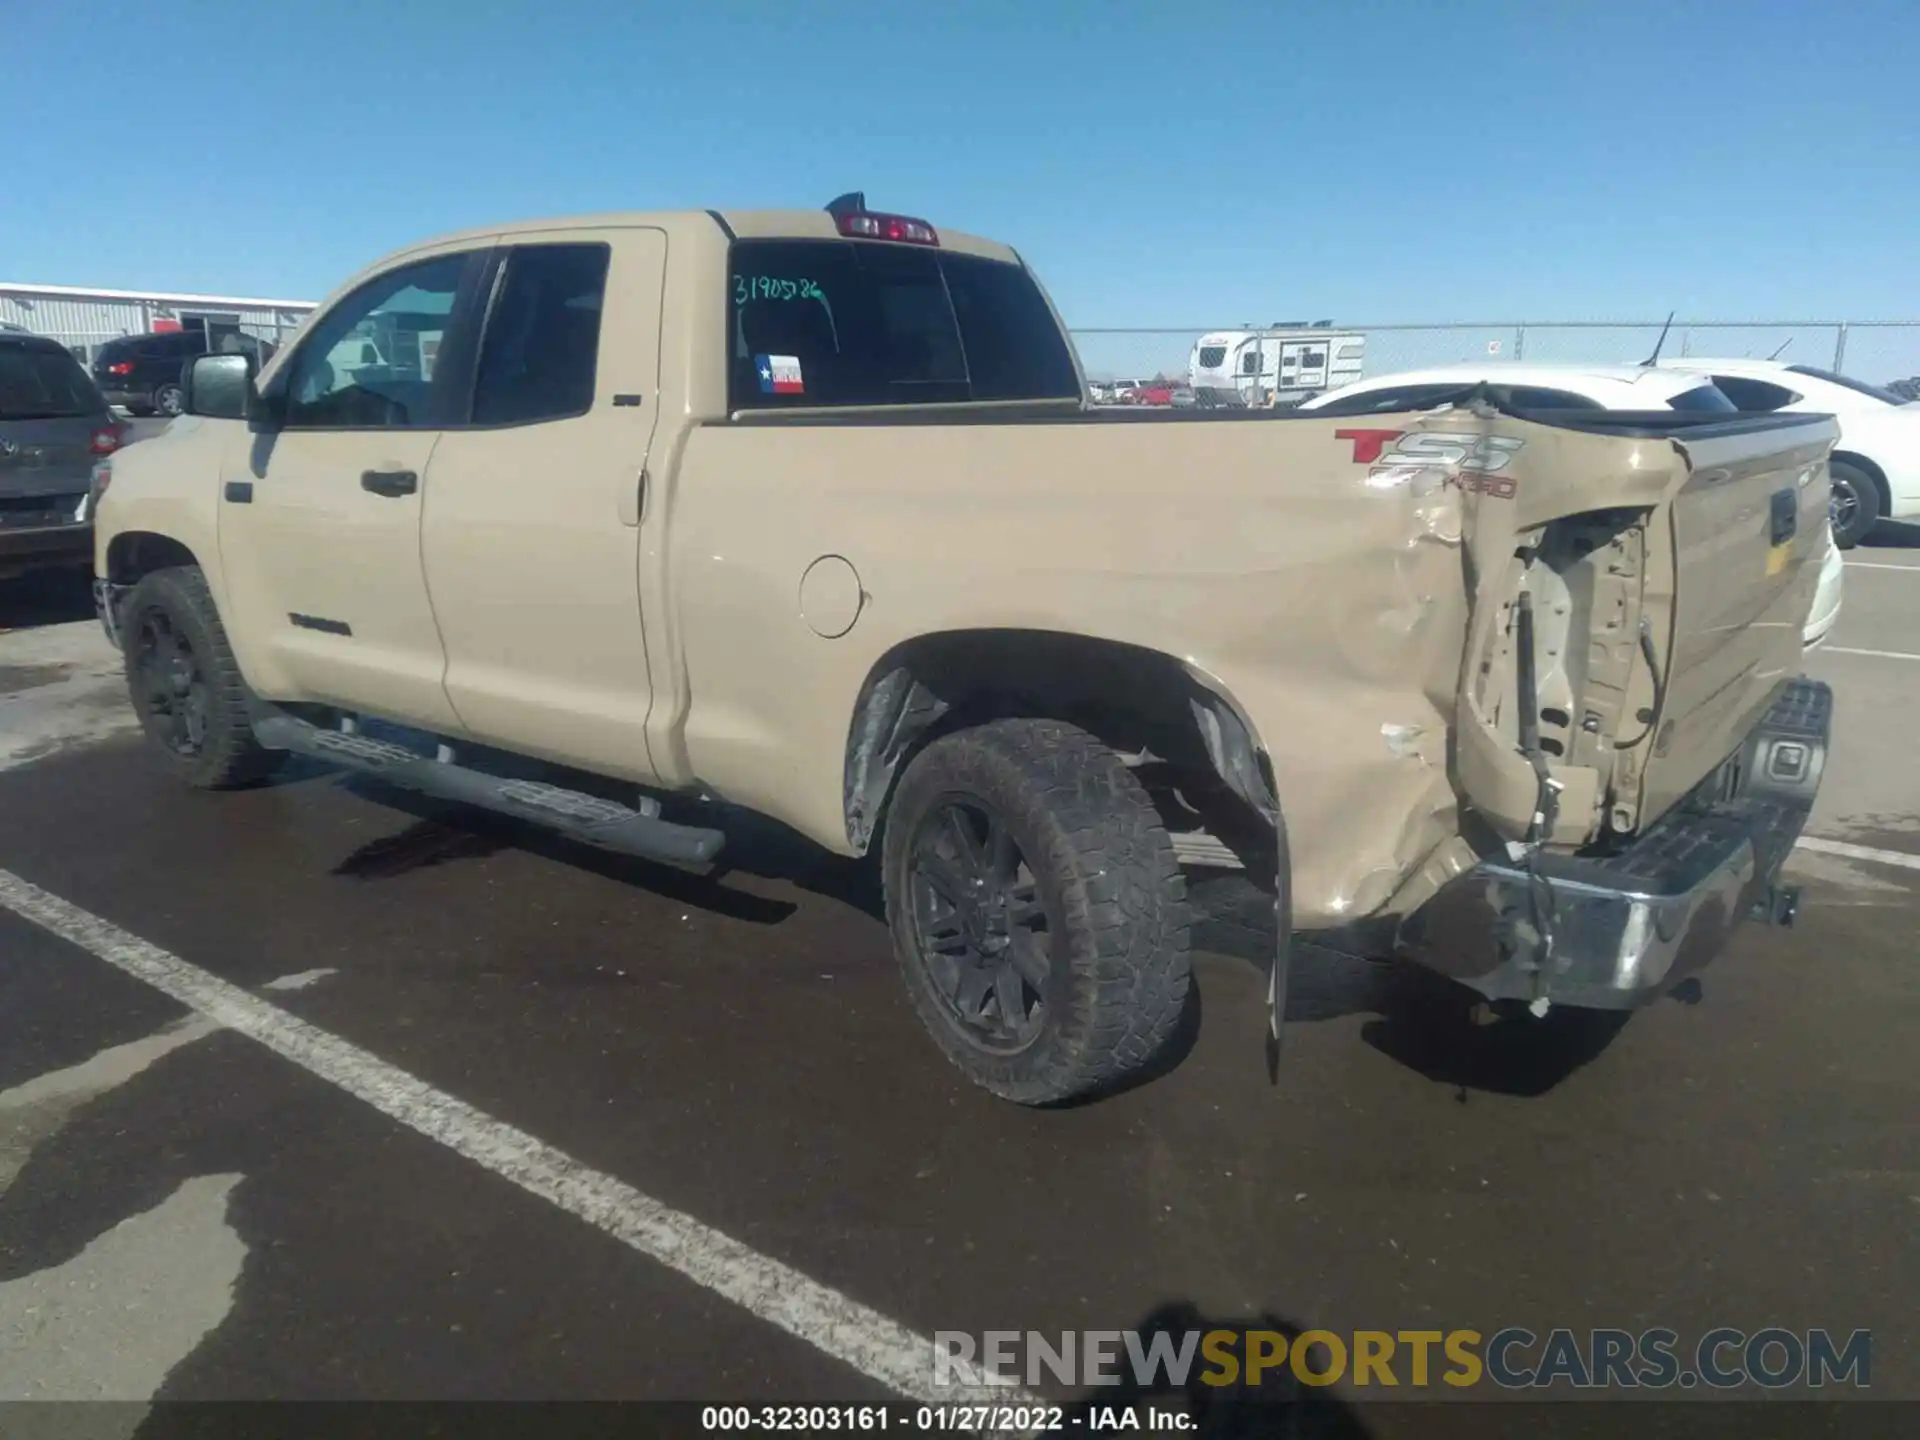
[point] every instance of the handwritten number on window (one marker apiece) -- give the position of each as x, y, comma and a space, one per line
774, 287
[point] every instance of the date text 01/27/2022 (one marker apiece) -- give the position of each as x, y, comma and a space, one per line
947, 1419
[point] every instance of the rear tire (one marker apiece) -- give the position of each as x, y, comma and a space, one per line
1856, 503
1037, 909
186, 687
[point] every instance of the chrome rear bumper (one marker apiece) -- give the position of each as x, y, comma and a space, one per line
1612, 931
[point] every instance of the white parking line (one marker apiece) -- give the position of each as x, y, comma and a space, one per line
1875, 654
877, 1347
1858, 852
1878, 565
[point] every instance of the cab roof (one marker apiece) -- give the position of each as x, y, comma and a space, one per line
744, 224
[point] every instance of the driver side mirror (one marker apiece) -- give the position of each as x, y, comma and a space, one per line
219, 387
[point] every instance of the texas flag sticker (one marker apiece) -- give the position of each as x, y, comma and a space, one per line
779, 374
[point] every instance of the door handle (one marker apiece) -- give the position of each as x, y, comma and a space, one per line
239, 492
389, 482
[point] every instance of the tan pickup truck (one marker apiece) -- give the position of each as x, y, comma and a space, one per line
631, 523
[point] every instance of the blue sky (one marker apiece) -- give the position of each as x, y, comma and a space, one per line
1160, 163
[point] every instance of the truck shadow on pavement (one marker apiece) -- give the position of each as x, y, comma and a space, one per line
1275, 1407
1421, 1020
56, 597
1893, 535
442, 833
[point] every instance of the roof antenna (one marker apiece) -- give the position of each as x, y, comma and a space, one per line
1654, 358
1783, 345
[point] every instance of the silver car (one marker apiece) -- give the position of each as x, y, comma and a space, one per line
54, 427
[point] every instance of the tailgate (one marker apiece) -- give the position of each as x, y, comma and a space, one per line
1747, 535
1696, 544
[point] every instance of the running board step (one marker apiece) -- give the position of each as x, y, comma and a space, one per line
573, 813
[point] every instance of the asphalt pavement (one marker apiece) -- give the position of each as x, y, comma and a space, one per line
320, 1091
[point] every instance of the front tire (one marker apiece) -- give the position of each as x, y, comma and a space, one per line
168, 400
1855, 506
185, 685
1037, 909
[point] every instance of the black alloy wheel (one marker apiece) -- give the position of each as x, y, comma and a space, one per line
170, 683
1854, 504
980, 926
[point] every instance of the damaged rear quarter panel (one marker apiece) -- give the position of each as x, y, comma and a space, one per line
1329, 599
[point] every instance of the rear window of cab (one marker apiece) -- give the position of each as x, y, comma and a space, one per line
845, 322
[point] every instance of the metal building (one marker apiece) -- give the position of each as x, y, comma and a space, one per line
82, 319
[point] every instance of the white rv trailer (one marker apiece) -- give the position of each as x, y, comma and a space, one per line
1282, 365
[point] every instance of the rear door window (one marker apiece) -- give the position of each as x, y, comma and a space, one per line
1709, 398
44, 383
1538, 397
1746, 394
1847, 382
542, 344
835, 322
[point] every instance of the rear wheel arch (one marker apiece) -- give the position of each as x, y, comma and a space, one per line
1038, 910
1861, 497
1873, 472
1142, 703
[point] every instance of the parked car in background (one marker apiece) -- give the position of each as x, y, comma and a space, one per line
54, 426
1151, 392
1112, 392
1574, 387
1876, 465
143, 372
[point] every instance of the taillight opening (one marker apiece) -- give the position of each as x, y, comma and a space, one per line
120, 367
106, 440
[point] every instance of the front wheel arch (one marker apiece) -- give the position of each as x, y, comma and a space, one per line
190, 697
134, 554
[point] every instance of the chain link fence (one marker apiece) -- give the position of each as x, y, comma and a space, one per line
1877, 351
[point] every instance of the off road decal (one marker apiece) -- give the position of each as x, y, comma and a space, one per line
1461, 460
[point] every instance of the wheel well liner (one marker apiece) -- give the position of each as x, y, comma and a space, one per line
137, 553
1136, 700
